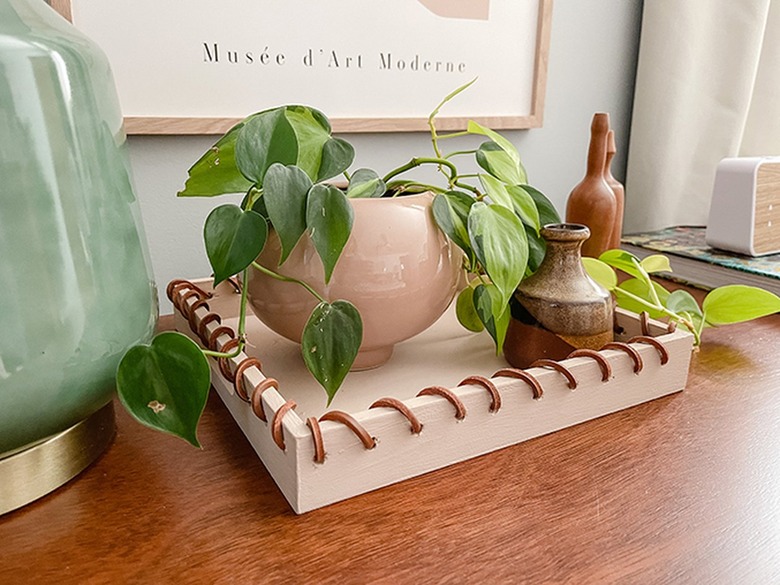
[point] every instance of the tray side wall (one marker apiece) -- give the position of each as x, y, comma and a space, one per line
350, 469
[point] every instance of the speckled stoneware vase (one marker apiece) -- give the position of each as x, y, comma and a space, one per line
559, 308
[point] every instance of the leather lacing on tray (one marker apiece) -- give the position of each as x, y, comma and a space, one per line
182, 292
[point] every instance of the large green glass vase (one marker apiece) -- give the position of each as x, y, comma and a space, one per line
75, 283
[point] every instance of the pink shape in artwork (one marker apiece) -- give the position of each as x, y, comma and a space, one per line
469, 9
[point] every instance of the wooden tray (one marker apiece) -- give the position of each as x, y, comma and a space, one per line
437, 401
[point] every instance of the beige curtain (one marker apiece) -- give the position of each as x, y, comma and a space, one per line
708, 87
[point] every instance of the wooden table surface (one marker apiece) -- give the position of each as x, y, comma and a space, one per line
685, 489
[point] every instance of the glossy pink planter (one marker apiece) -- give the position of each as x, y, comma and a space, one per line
398, 269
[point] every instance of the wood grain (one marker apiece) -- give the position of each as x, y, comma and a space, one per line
685, 489
767, 209
208, 126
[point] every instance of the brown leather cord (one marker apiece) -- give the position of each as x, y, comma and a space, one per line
202, 331
179, 284
257, 396
176, 292
662, 352
171, 289
192, 319
606, 369
495, 397
644, 320
276, 424
224, 364
347, 420
238, 381
632, 353
559, 367
460, 408
671, 327
216, 334
536, 387
403, 409
316, 435
183, 307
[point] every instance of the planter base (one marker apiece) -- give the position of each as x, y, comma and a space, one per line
41, 468
371, 358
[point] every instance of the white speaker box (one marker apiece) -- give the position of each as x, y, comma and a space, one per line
745, 208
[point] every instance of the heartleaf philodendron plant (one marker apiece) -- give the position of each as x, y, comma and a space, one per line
283, 160
723, 305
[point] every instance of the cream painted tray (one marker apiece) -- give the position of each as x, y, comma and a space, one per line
442, 398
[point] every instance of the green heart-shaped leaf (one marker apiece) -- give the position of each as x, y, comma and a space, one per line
285, 191
493, 312
496, 190
451, 212
622, 260
547, 212
312, 132
365, 183
601, 272
681, 301
656, 263
524, 206
265, 139
504, 144
537, 250
330, 342
500, 243
466, 311
165, 385
329, 217
638, 288
216, 172
337, 156
736, 303
233, 239
500, 164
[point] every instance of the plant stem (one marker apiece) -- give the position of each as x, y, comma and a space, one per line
251, 197
403, 186
454, 135
419, 161
459, 153
241, 326
283, 278
660, 308
469, 188
242, 310
645, 277
435, 112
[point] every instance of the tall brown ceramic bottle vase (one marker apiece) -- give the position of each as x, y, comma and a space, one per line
559, 308
617, 189
592, 202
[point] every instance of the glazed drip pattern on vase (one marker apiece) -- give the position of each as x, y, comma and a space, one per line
559, 309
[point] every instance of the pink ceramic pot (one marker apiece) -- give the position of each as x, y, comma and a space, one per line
398, 269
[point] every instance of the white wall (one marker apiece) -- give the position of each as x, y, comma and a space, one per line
592, 64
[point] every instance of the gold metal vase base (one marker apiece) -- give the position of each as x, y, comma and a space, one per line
41, 468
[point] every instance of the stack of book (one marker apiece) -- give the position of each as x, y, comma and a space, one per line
695, 263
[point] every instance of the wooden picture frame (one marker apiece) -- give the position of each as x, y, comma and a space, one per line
97, 20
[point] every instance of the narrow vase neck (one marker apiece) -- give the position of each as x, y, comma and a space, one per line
597, 152
564, 248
